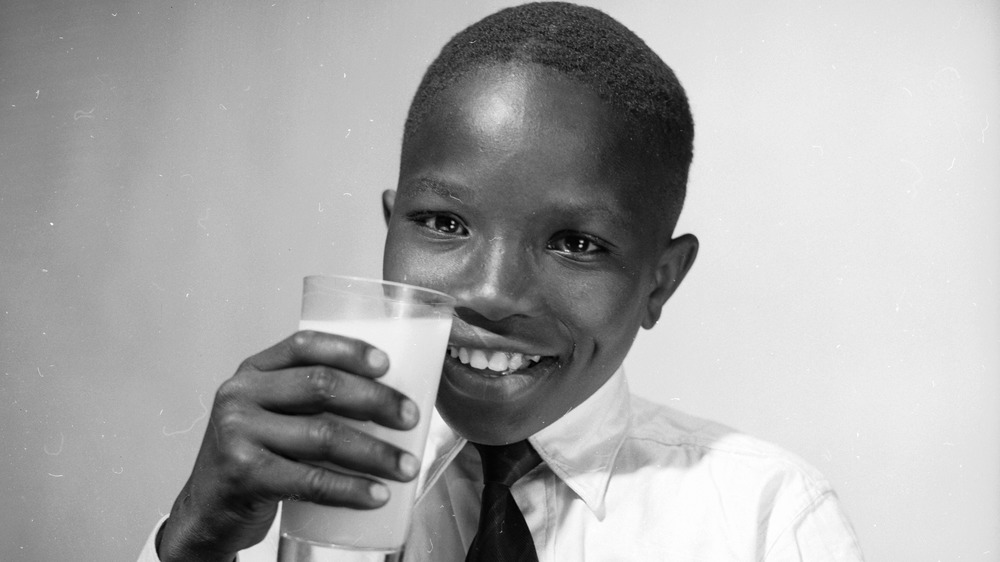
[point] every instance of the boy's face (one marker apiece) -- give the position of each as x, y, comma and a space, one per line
522, 196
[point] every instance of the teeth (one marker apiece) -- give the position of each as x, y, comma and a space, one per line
478, 359
515, 362
496, 361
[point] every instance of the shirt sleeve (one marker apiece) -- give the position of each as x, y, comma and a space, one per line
148, 553
820, 533
265, 551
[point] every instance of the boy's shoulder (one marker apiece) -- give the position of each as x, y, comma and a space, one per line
663, 436
706, 475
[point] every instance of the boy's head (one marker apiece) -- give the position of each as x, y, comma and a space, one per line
591, 47
543, 166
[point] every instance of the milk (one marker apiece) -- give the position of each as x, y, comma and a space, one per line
416, 348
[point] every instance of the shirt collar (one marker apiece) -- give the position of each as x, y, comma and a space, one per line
580, 447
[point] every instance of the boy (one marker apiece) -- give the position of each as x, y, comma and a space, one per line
543, 168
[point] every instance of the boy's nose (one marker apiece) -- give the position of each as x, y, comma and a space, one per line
498, 282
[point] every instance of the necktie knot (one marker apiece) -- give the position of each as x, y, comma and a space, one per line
506, 464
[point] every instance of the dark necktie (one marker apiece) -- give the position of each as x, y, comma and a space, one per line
502, 535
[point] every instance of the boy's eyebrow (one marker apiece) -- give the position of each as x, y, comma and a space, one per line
591, 214
604, 214
440, 188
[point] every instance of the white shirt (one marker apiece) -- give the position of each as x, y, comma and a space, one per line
626, 479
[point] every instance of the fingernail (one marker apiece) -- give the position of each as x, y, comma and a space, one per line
378, 492
377, 359
408, 464
408, 412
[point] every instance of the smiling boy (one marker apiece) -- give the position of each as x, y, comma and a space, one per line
543, 167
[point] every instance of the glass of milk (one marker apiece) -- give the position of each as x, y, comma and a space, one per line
411, 324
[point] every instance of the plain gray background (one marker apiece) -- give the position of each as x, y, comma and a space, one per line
169, 171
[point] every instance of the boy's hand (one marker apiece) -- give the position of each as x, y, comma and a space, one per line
280, 411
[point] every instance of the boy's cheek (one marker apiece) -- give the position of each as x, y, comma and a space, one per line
396, 265
408, 264
395, 260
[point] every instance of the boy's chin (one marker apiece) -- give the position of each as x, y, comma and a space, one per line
489, 426
484, 429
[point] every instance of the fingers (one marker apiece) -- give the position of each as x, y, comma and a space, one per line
313, 372
289, 408
326, 486
318, 348
272, 455
326, 438
320, 389
240, 476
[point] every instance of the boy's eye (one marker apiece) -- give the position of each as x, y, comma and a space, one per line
445, 224
575, 244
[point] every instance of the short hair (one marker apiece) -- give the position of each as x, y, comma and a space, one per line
594, 49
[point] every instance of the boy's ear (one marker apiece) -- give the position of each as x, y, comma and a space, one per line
388, 200
675, 261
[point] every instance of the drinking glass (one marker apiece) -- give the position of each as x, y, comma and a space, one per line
411, 324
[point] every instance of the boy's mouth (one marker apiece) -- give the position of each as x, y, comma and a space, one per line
499, 363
